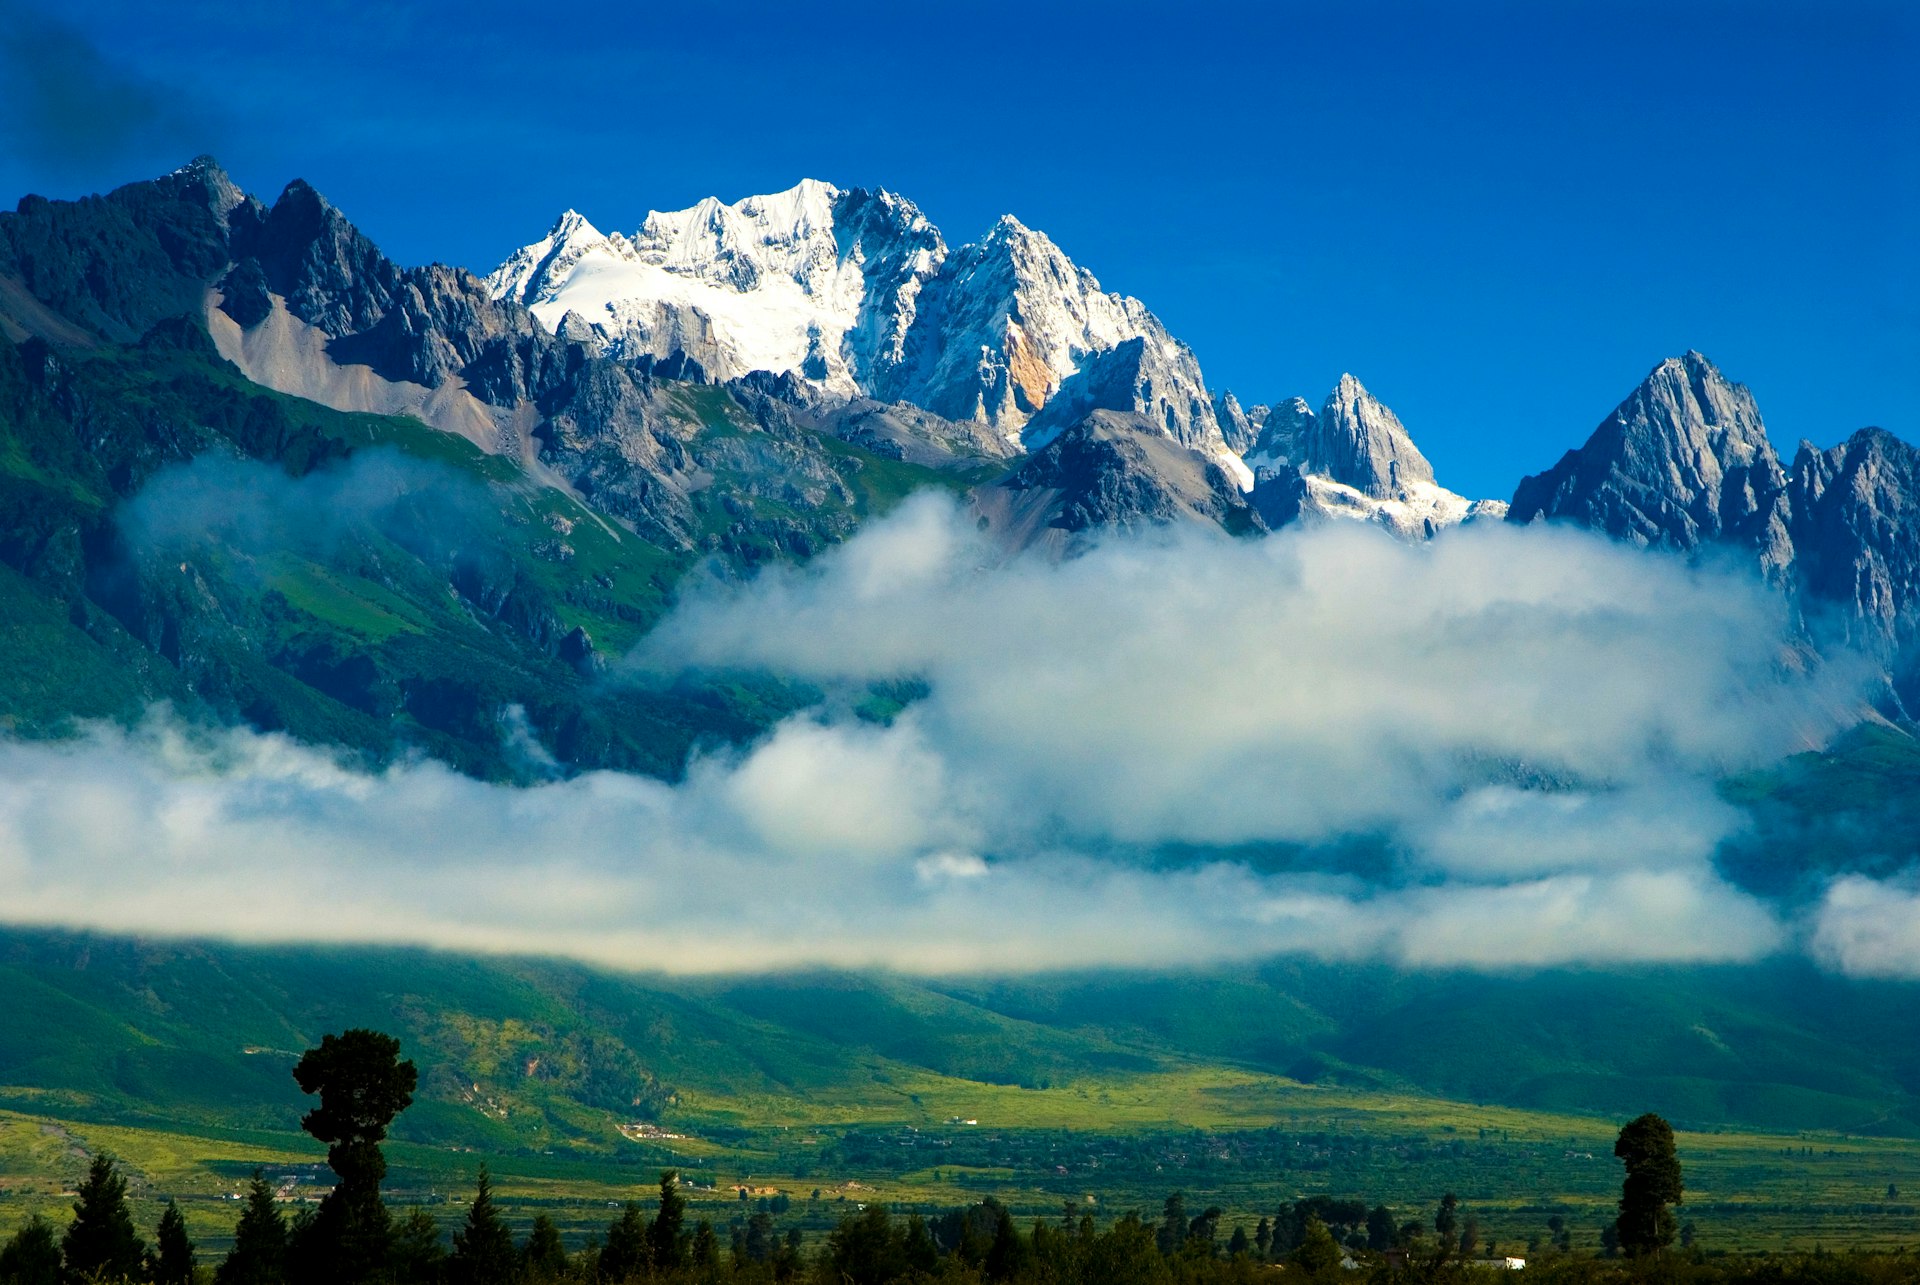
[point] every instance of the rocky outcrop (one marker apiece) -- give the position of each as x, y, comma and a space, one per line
1111, 470
1281, 443
113, 266
1239, 425
1685, 464
1682, 462
1136, 377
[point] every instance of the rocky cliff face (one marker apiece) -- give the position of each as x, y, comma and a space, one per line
1357, 442
1280, 443
1855, 523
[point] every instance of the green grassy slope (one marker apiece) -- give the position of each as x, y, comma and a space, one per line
530, 1054
415, 621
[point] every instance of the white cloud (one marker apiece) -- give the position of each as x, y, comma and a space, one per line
1530, 720
1869, 927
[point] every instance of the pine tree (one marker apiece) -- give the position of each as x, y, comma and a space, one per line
259, 1253
704, 1254
1318, 1252
32, 1256
666, 1238
625, 1253
1262, 1239
417, 1252
544, 1255
1238, 1245
1470, 1237
1380, 1228
1173, 1224
173, 1254
101, 1241
1446, 1224
922, 1254
1006, 1254
483, 1252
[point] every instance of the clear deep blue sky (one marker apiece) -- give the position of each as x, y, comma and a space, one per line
1498, 215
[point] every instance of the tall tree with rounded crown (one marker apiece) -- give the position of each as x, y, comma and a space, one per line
362, 1085
1652, 1186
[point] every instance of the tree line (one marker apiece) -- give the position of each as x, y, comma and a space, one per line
352, 1238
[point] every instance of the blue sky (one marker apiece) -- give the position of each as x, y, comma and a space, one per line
1498, 215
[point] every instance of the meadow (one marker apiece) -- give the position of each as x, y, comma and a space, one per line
1242, 1141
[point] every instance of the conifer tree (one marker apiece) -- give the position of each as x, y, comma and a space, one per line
101, 1240
173, 1249
1006, 1254
32, 1255
704, 1253
417, 1253
1318, 1252
544, 1255
625, 1253
1173, 1224
922, 1254
1380, 1228
666, 1237
1446, 1224
483, 1252
259, 1253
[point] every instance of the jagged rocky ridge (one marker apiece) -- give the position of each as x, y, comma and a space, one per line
855, 294
1684, 463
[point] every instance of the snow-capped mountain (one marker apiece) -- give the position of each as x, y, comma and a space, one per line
813, 280
857, 293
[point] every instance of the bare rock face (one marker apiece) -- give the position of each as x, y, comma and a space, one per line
1239, 425
1280, 445
1856, 534
1682, 462
1136, 377
1685, 464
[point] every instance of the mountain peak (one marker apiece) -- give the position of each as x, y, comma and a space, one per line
856, 292
1682, 461
572, 223
1358, 442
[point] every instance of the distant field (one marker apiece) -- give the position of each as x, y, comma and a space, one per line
1243, 1141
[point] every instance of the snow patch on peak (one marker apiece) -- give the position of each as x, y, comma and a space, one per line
1419, 512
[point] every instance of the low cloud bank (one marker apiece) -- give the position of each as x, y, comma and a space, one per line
1523, 725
